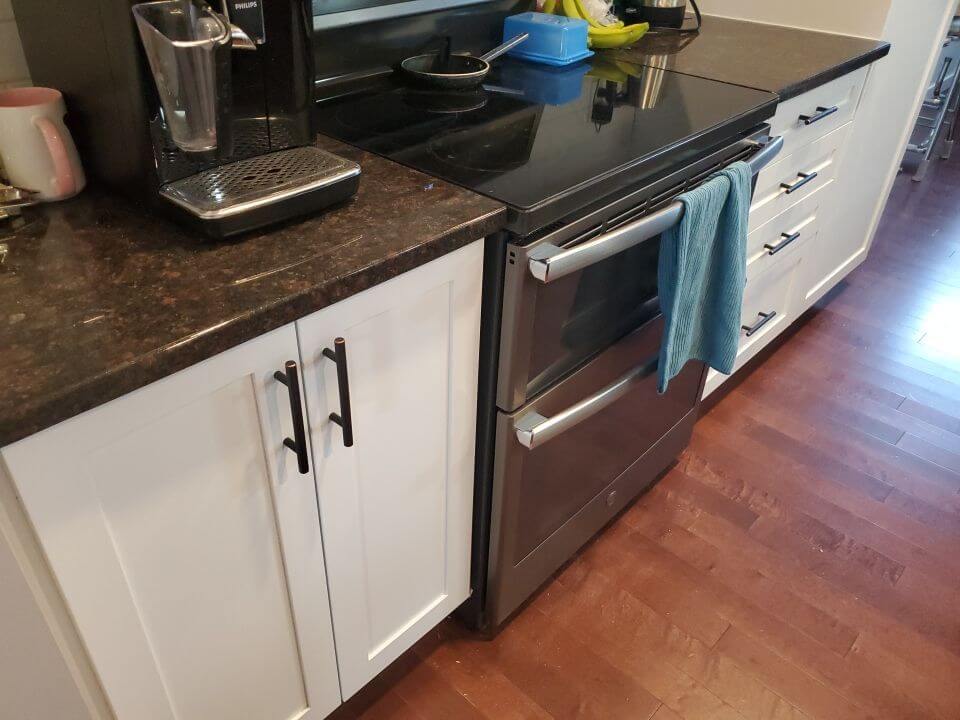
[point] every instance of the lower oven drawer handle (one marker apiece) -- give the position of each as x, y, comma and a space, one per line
549, 262
533, 429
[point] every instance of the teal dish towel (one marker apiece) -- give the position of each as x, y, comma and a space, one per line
702, 273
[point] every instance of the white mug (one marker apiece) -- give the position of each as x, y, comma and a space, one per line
36, 150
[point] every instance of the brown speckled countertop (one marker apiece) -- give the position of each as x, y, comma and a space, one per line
787, 61
99, 297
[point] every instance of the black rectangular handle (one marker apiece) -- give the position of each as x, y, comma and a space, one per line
797, 184
764, 319
819, 115
787, 239
298, 444
345, 418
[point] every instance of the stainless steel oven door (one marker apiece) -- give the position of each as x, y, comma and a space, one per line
569, 460
580, 288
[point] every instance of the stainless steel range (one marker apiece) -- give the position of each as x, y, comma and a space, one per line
571, 427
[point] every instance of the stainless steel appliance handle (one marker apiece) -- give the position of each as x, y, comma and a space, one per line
549, 262
533, 429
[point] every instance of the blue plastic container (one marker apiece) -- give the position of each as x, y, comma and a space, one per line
554, 39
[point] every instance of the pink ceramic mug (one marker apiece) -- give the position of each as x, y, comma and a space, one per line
36, 150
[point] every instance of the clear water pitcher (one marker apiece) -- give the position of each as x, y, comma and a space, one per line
188, 48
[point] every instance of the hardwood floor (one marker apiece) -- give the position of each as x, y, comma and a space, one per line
800, 562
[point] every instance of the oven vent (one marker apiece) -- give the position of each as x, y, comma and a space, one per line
671, 193
701, 176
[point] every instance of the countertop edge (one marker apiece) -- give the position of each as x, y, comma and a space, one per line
845, 68
142, 370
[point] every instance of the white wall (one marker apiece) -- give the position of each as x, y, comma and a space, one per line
888, 111
13, 67
864, 18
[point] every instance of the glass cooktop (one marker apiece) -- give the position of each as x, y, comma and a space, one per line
545, 140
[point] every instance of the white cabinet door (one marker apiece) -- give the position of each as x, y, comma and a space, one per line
187, 545
396, 506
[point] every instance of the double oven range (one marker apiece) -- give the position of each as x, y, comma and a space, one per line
588, 163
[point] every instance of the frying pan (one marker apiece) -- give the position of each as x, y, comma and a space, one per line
454, 72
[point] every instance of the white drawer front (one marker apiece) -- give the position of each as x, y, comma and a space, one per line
785, 234
803, 119
766, 311
796, 176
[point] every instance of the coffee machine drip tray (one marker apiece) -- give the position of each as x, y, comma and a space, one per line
262, 190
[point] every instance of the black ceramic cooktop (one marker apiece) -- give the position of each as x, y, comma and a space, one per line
543, 140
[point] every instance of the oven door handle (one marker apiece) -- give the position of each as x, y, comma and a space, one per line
533, 429
548, 262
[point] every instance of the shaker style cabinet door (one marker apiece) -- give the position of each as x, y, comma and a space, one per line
187, 544
396, 497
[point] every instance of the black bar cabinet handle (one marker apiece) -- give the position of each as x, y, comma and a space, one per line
797, 184
819, 115
345, 418
787, 239
299, 442
764, 319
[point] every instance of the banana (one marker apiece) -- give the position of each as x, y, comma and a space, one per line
584, 14
549, 6
570, 9
612, 74
603, 36
582, 11
617, 38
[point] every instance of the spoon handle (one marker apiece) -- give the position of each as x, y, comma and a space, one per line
501, 49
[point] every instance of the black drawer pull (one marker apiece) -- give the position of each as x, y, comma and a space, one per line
764, 319
787, 239
819, 115
797, 184
345, 418
299, 443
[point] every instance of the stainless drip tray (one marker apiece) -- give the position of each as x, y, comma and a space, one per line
260, 190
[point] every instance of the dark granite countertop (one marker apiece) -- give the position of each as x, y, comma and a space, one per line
787, 61
99, 297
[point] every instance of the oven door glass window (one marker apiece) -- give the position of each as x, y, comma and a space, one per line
580, 315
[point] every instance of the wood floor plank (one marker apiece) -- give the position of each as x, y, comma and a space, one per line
932, 682
600, 619
868, 692
816, 698
665, 713
682, 600
848, 608
587, 599
565, 677
434, 699
788, 495
930, 452
462, 662
932, 415
885, 463
753, 585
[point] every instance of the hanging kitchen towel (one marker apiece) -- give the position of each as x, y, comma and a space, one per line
702, 273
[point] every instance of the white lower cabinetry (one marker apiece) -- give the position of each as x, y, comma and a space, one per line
794, 255
186, 544
192, 553
396, 507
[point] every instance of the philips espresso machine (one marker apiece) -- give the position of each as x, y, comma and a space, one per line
206, 107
